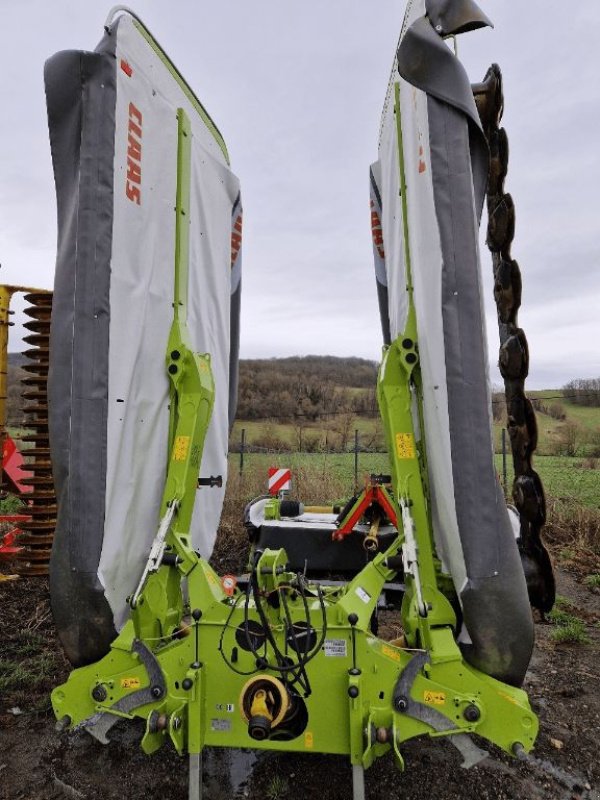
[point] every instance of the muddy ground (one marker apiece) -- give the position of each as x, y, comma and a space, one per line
36, 763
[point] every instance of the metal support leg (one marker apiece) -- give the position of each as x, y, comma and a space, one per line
358, 782
195, 786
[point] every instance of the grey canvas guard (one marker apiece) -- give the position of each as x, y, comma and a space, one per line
403, 702
379, 254
494, 600
100, 724
81, 96
234, 320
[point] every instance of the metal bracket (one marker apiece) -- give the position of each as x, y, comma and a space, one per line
405, 704
99, 725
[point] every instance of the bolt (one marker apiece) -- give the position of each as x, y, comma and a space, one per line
99, 693
471, 713
172, 368
401, 703
187, 684
519, 751
383, 735
353, 618
353, 692
175, 354
156, 692
196, 614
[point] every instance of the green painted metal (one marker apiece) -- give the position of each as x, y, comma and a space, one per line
206, 710
207, 647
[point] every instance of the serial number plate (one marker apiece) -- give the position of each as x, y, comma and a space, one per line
221, 725
335, 647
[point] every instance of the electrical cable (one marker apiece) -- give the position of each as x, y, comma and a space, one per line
282, 668
220, 648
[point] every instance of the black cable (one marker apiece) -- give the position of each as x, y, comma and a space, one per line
220, 648
282, 668
302, 677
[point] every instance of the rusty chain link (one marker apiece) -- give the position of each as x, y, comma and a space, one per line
527, 490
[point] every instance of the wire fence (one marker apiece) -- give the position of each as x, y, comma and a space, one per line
363, 458
574, 480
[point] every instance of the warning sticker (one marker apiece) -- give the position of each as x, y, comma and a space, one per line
436, 698
405, 445
130, 683
220, 725
229, 707
308, 739
364, 596
390, 652
180, 448
335, 647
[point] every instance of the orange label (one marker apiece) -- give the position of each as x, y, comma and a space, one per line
180, 448
308, 739
405, 445
390, 652
435, 698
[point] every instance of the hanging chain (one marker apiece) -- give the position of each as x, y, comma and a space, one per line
527, 490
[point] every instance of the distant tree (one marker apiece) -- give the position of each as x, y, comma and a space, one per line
569, 439
583, 392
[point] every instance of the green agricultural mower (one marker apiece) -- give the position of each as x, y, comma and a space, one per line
287, 664
281, 661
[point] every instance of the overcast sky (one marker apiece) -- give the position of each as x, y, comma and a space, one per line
297, 89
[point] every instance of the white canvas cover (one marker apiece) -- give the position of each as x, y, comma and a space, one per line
445, 159
141, 302
426, 259
129, 214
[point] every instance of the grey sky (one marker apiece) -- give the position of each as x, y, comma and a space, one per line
297, 89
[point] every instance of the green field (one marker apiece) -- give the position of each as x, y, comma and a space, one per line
563, 478
580, 427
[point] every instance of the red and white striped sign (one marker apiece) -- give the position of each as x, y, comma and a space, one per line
280, 480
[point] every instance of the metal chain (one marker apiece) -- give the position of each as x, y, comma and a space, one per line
527, 490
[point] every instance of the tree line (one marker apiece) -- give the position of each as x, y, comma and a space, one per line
583, 392
306, 387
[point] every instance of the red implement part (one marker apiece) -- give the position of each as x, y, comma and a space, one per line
373, 494
8, 548
12, 467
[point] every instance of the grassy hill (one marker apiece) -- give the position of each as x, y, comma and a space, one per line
317, 402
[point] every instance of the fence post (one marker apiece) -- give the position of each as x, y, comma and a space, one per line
242, 446
355, 460
504, 479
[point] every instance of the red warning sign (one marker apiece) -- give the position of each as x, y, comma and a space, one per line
279, 480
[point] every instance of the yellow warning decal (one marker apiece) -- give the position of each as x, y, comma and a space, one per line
180, 448
436, 698
308, 739
405, 445
130, 683
390, 652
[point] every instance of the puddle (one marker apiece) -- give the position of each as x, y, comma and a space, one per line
226, 772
